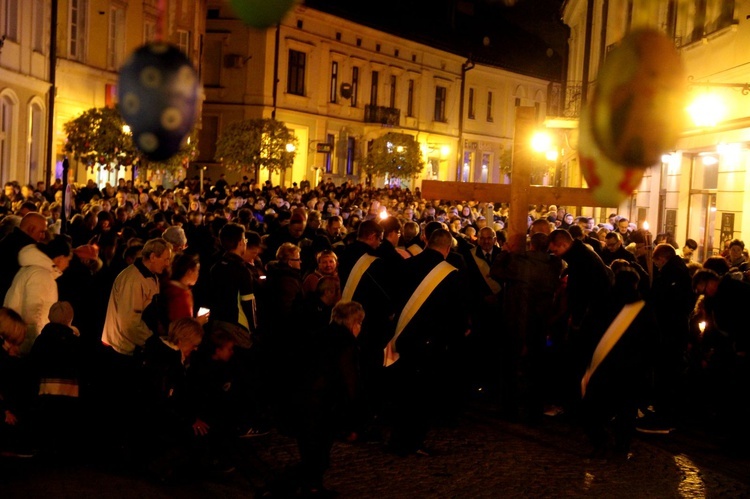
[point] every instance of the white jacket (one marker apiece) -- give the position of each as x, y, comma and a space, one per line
33, 292
132, 291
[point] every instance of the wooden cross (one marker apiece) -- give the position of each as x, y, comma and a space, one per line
519, 193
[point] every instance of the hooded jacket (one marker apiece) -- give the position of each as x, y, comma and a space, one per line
33, 291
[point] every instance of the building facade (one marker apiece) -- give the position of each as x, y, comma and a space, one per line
699, 189
24, 89
340, 85
95, 37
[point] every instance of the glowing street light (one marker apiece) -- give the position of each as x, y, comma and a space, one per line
707, 110
541, 142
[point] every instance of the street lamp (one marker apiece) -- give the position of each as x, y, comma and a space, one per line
707, 110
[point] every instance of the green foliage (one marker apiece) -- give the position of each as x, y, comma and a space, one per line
506, 161
255, 144
97, 136
188, 152
395, 154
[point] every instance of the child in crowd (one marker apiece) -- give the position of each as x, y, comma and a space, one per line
56, 363
12, 385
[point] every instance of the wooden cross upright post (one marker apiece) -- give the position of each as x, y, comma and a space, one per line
519, 193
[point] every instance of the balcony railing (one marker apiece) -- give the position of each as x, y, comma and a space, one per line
568, 105
383, 115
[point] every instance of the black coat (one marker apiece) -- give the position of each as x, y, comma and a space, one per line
439, 325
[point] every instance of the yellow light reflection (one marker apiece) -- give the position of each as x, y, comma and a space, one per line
541, 141
692, 484
707, 110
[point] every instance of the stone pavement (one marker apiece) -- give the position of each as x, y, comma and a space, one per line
481, 457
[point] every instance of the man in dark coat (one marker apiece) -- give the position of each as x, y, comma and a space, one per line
614, 249
587, 290
532, 280
372, 291
672, 299
426, 347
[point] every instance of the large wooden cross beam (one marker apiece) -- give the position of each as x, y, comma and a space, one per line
519, 193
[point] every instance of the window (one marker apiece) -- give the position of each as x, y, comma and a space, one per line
116, 37
355, 85
518, 101
328, 158
6, 137
296, 76
393, 91
489, 107
374, 89
40, 24
410, 100
334, 81
350, 145
440, 96
207, 138
36, 144
149, 31
486, 161
183, 41
78, 27
472, 113
212, 61
9, 15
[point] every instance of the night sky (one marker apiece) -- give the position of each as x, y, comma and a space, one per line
527, 37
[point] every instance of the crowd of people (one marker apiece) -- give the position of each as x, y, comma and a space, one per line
178, 320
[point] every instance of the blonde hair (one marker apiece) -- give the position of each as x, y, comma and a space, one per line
183, 329
344, 311
12, 326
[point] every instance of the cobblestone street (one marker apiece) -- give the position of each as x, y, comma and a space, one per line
481, 457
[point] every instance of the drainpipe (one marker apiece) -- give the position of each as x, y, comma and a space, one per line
587, 51
275, 89
465, 67
52, 92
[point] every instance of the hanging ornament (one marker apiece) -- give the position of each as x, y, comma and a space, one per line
158, 93
261, 13
634, 117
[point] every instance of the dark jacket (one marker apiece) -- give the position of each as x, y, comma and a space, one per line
439, 325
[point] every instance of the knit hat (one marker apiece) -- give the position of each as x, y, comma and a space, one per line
61, 312
175, 235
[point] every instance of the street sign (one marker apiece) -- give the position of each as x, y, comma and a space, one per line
324, 147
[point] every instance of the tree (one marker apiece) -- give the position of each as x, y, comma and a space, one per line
395, 154
97, 136
255, 144
100, 135
188, 152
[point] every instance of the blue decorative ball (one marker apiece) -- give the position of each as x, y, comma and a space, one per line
158, 97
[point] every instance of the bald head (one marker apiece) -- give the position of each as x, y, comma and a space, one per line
34, 225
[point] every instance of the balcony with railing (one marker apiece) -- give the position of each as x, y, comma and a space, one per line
564, 103
384, 115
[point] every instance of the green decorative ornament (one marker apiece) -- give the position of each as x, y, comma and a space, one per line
261, 13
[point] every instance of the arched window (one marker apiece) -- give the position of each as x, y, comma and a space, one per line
8, 116
35, 152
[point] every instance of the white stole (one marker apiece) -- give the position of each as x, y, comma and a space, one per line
610, 338
355, 276
417, 299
